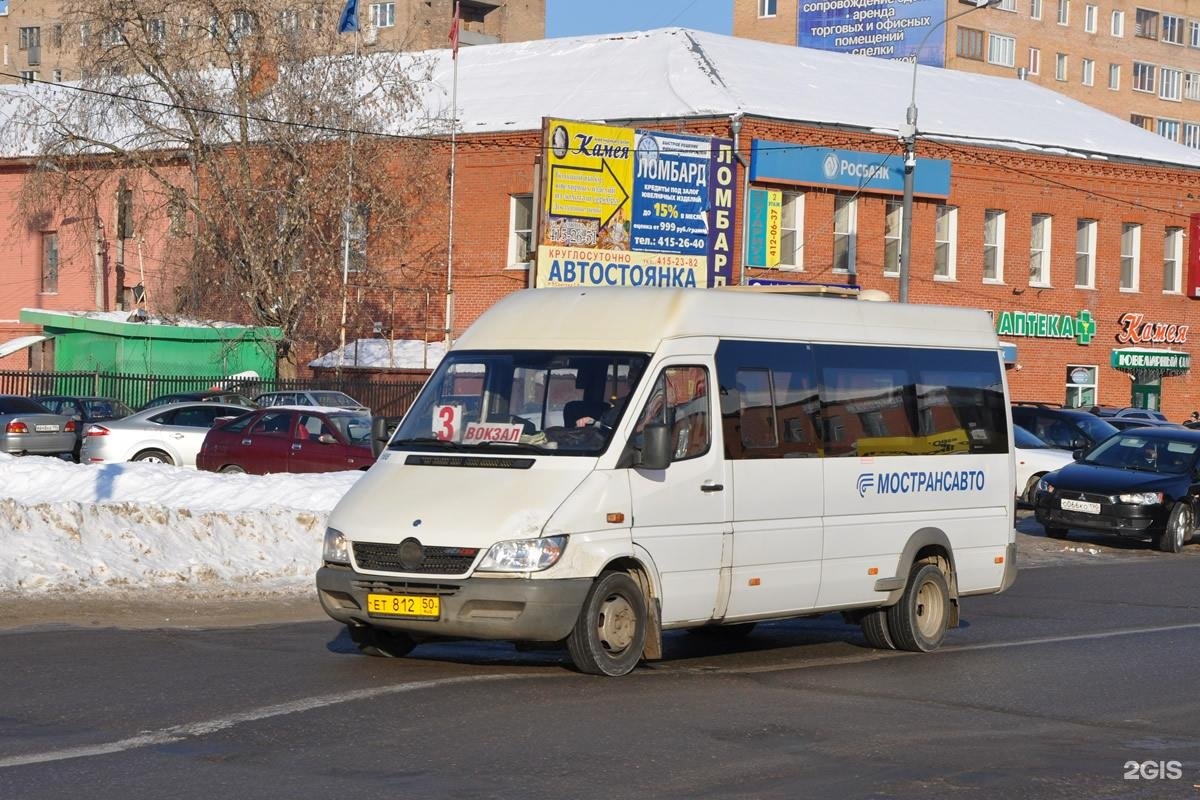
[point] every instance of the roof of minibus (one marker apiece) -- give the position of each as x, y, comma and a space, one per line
638, 319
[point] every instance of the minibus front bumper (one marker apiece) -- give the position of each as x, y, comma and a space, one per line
504, 608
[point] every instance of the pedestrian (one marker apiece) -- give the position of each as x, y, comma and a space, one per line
1193, 421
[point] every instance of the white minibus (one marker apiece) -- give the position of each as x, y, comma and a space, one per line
593, 467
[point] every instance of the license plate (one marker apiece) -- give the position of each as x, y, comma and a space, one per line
1080, 505
404, 605
46, 428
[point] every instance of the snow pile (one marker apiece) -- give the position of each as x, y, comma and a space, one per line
134, 527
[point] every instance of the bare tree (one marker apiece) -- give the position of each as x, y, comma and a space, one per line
247, 144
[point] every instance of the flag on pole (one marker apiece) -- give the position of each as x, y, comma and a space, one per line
349, 21
453, 29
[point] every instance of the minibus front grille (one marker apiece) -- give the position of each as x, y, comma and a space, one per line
381, 557
406, 587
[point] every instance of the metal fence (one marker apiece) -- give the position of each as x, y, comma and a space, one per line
385, 398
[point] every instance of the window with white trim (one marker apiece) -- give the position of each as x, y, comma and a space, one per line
520, 231
1191, 134
1118, 24
1168, 129
945, 242
1131, 249
1039, 250
845, 231
767, 8
1060, 66
1085, 253
156, 30
1170, 84
1145, 23
1064, 12
1172, 29
1172, 260
1193, 33
1007, 5
1087, 72
1035, 61
28, 75
1143, 76
1035, 9
1002, 50
1191, 85
1081, 385
383, 15
1114, 76
993, 246
893, 221
791, 225
289, 20
1090, 15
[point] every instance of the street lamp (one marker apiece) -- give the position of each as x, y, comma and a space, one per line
908, 135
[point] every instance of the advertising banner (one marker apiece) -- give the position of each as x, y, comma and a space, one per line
881, 173
764, 211
626, 207
891, 29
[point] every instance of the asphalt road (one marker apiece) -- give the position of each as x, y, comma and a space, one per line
1079, 676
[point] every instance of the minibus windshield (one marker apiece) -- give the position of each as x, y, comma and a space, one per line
528, 401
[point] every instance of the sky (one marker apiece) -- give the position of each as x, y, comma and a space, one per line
574, 17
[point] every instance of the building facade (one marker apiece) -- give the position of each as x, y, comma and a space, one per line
1138, 61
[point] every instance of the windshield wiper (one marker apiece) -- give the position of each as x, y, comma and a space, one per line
399, 444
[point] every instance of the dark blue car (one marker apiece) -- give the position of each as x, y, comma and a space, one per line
1141, 482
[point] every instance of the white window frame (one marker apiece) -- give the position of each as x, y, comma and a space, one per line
1085, 237
1171, 29
520, 238
1080, 395
383, 15
1090, 14
1191, 135
289, 20
1117, 26
793, 261
1194, 33
1035, 61
1129, 277
1146, 69
1087, 72
845, 229
1035, 9
1064, 12
1173, 260
1002, 50
993, 245
1114, 77
156, 30
1191, 86
945, 239
1060, 66
767, 8
1167, 128
1007, 5
1040, 230
893, 223
1170, 83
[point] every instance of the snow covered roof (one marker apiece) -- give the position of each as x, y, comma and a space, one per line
384, 354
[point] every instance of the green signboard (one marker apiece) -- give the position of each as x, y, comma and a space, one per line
1080, 327
1142, 359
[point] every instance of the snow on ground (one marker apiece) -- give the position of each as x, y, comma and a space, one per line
124, 528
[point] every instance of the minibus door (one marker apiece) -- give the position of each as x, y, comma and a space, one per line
681, 514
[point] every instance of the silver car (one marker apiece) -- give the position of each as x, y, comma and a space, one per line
170, 434
327, 398
27, 426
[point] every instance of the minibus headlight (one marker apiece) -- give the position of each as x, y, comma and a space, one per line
337, 547
524, 555
1141, 498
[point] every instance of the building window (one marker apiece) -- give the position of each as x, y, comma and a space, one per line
945, 243
1114, 76
845, 227
56, 35
791, 224
1131, 246
1172, 259
289, 20
1001, 50
1085, 253
993, 246
1172, 29
1035, 9
1081, 385
383, 15
1064, 12
56, 76
1087, 69
1090, 15
1145, 23
1193, 33
1191, 134
1118, 24
1060, 66
1145, 123
49, 262
1035, 61
1191, 85
156, 30
767, 8
520, 230
1143, 77
1007, 5
1039, 250
1170, 84
970, 44
1168, 129
29, 38
893, 222
28, 75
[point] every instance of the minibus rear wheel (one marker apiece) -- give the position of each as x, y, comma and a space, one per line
918, 622
383, 644
610, 632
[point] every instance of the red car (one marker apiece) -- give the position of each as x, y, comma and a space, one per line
289, 439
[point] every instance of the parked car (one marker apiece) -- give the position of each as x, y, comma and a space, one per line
318, 397
84, 410
1034, 459
206, 396
1131, 412
27, 426
1124, 423
170, 434
1141, 482
1065, 428
289, 439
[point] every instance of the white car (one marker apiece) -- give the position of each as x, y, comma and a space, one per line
1034, 459
170, 434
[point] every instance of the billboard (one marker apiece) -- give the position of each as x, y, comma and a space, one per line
631, 207
892, 29
882, 173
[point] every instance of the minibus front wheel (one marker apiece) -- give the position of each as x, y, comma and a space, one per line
610, 633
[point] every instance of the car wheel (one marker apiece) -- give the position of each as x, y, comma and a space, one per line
1179, 529
874, 626
1030, 493
232, 469
918, 622
610, 632
380, 643
154, 457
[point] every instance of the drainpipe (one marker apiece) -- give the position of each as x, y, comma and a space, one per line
735, 128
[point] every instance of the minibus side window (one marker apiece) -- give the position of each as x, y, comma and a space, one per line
868, 398
769, 402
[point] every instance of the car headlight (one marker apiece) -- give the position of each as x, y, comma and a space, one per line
1045, 486
524, 555
1141, 498
337, 547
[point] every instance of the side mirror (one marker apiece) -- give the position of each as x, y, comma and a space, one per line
326, 438
656, 447
379, 435
1078, 444
1077, 454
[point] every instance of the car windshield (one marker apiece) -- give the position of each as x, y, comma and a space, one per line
355, 428
524, 401
334, 399
106, 409
1026, 440
1130, 450
21, 405
1097, 429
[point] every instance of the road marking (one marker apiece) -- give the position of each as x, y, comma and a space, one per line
203, 728
1073, 637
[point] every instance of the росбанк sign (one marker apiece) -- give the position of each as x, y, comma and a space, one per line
881, 173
